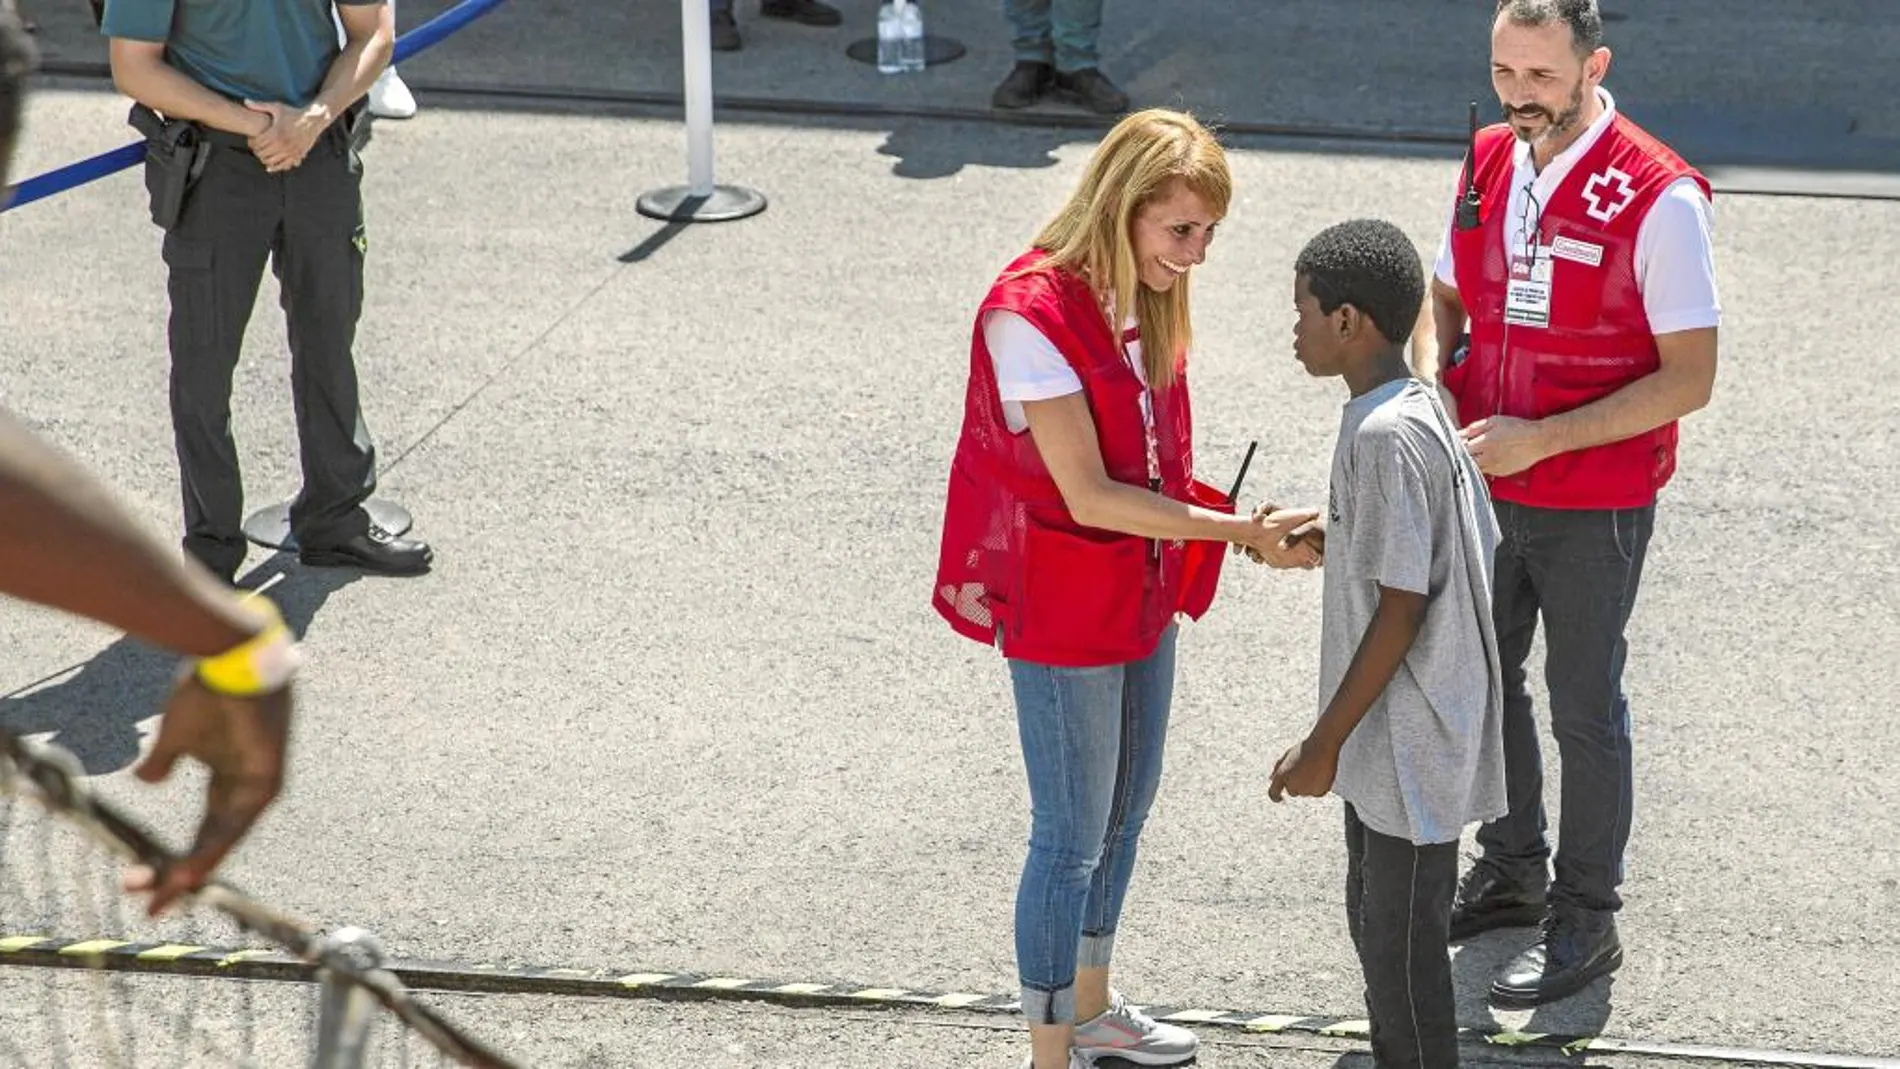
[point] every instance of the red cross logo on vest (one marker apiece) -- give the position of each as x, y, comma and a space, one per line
1616, 185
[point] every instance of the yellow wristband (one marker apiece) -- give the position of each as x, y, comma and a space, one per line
258, 665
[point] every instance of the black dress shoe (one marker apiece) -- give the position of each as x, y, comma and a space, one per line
375, 550
1025, 84
1577, 947
807, 12
1492, 897
1091, 89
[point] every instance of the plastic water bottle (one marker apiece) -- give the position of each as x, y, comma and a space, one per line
890, 39
912, 24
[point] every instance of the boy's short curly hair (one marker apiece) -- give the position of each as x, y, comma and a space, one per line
1371, 265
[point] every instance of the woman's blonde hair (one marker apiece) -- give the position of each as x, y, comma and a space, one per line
1092, 235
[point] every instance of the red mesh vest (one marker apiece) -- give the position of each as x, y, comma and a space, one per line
1598, 340
1015, 565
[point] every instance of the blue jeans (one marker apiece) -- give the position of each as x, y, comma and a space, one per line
1092, 741
1060, 32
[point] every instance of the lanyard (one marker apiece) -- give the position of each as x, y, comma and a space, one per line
1530, 223
1147, 402
1152, 441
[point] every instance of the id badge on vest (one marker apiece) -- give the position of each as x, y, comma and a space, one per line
1527, 297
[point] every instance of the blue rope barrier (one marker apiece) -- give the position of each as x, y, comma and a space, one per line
74, 174
41, 186
434, 30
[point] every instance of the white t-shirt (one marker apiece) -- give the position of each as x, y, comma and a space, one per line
1675, 259
1029, 367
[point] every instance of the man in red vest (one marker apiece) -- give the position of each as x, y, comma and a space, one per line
1579, 262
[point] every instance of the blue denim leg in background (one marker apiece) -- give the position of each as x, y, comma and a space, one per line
1058, 32
1092, 742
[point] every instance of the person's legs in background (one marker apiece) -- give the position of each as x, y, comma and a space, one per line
725, 28
1055, 46
1075, 28
1029, 32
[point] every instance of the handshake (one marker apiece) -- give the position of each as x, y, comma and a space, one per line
1285, 538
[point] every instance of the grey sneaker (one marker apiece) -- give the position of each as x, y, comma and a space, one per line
1076, 1061
1124, 1032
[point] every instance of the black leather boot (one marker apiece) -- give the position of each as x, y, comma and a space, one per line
1576, 948
1493, 896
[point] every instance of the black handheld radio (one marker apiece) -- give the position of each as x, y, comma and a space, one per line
1469, 203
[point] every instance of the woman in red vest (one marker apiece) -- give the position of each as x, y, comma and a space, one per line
1075, 531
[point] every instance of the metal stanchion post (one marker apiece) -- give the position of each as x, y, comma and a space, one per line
701, 200
346, 1009
270, 526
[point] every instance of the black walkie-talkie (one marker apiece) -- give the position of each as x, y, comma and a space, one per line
1469, 203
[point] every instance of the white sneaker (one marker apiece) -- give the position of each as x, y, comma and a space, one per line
1076, 1061
1125, 1032
390, 98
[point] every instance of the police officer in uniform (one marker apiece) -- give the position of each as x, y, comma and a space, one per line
250, 110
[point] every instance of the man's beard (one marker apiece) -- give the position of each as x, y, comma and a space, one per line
1557, 124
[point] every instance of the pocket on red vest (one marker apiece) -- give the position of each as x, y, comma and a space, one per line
1082, 591
1577, 287
1564, 383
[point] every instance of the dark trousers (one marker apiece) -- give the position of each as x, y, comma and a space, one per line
1578, 569
308, 223
1398, 908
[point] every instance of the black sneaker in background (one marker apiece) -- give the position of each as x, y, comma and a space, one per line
1089, 88
1025, 84
1492, 896
806, 12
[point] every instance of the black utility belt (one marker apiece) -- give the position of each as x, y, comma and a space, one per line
176, 151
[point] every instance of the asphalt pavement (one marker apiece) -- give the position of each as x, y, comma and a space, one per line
674, 698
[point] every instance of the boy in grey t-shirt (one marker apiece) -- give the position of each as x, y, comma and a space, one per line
1410, 729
